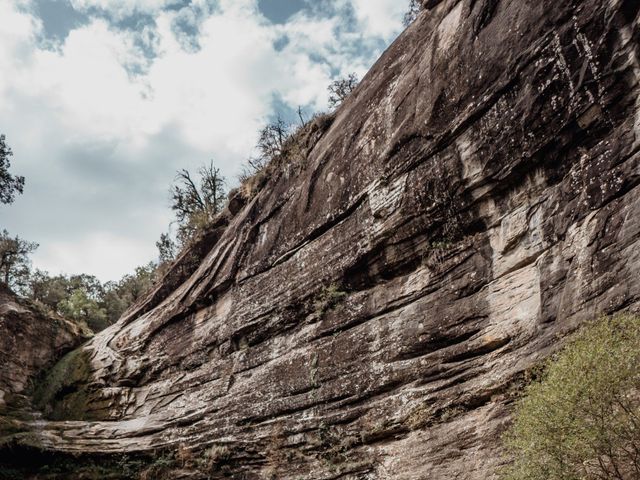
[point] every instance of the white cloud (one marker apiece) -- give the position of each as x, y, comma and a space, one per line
123, 8
104, 253
99, 126
381, 17
17, 35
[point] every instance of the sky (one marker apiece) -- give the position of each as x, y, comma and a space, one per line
102, 101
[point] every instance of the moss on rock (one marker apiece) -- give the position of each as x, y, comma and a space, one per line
63, 392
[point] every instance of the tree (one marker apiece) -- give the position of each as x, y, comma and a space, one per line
414, 9
84, 299
50, 291
9, 185
15, 264
119, 296
82, 308
166, 249
340, 89
271, 144
271, 141
47, 290
196, 206
88, 283
77, 297
582, 420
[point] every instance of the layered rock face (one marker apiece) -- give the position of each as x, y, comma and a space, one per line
372, 311
30, 341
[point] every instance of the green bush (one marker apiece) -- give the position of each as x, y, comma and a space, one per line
581, 421
328, 298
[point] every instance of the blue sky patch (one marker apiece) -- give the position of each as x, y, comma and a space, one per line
278, 11
58, 18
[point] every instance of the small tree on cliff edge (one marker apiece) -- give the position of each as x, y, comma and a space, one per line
166, 249
271, 144
196, 205
340, 89
272, 139
10, 185
15, 265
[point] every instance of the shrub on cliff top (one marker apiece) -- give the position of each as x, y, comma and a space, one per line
197, 202
582, 420
282, 149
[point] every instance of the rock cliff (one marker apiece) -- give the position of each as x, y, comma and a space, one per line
30, 342
374, 308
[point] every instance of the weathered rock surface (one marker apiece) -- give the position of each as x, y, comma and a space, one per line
371, 313
30, 341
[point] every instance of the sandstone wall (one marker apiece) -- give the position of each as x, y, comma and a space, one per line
373, 312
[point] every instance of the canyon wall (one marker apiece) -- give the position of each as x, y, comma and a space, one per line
374, 308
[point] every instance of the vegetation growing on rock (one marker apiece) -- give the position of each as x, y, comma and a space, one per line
582, 420
282, 149
197, 201
328, 298
340, 89
70, 375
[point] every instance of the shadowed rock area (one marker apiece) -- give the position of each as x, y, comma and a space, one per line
373, 310
30, 341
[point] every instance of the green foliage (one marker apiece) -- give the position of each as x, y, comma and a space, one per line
582, 420
328, 298
57, 396
85, 300
81, 308
119, 296
10, 185
15, 264
160, 468
48, 290
166, 249
73, 297
19, 465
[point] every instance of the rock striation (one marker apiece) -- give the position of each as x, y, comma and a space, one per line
30, 342
373, 309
